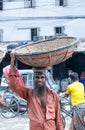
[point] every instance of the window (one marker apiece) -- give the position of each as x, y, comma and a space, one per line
30, 3
59, 31
1, 34
27, 76
28, 79
35, 34
61, 2
1, 4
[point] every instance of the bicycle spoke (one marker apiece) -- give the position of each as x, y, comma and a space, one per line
10, 108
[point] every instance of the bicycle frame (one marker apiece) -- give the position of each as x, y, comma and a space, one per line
64, 103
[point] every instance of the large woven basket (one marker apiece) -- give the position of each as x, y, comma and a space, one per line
47, 52
2, 54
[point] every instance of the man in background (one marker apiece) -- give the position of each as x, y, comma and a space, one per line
76, 91
69, 72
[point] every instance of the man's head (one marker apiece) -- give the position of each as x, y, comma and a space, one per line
74, 76
39, 81
69, 72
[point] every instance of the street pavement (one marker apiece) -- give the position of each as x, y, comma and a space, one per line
17, 123
20, 122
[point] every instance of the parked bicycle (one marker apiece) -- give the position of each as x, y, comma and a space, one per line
66, 108
10, 108
13, 104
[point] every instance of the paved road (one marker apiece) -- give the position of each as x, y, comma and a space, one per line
19, 123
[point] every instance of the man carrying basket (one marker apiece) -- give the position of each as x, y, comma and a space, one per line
44, 108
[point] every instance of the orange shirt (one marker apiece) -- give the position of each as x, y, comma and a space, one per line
39, 120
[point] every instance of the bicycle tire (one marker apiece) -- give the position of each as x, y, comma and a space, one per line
23, 107
22, 112
10, 108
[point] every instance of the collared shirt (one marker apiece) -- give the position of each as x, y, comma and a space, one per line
39, 119
76, 90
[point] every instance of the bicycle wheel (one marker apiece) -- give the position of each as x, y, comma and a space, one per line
23, 107
10, 108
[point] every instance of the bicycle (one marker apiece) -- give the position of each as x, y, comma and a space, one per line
13, 104
10, 107
66, 108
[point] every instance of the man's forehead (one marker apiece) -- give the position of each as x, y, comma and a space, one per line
39, 74
39, 69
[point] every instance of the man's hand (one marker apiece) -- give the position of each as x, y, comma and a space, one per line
63, 95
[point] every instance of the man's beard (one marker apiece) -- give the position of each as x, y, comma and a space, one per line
39, 90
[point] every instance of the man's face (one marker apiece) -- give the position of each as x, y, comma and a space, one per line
39, 84
39, 80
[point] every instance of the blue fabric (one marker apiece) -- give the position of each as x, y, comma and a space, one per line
82, 81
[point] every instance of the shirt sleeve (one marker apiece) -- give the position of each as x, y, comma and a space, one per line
59, 123
19, 89
68, 89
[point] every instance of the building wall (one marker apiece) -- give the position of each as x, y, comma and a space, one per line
17, 21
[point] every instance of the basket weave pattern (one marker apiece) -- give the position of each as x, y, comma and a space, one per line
48, 52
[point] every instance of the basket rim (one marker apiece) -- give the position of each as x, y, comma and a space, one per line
74, 43
51, 39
